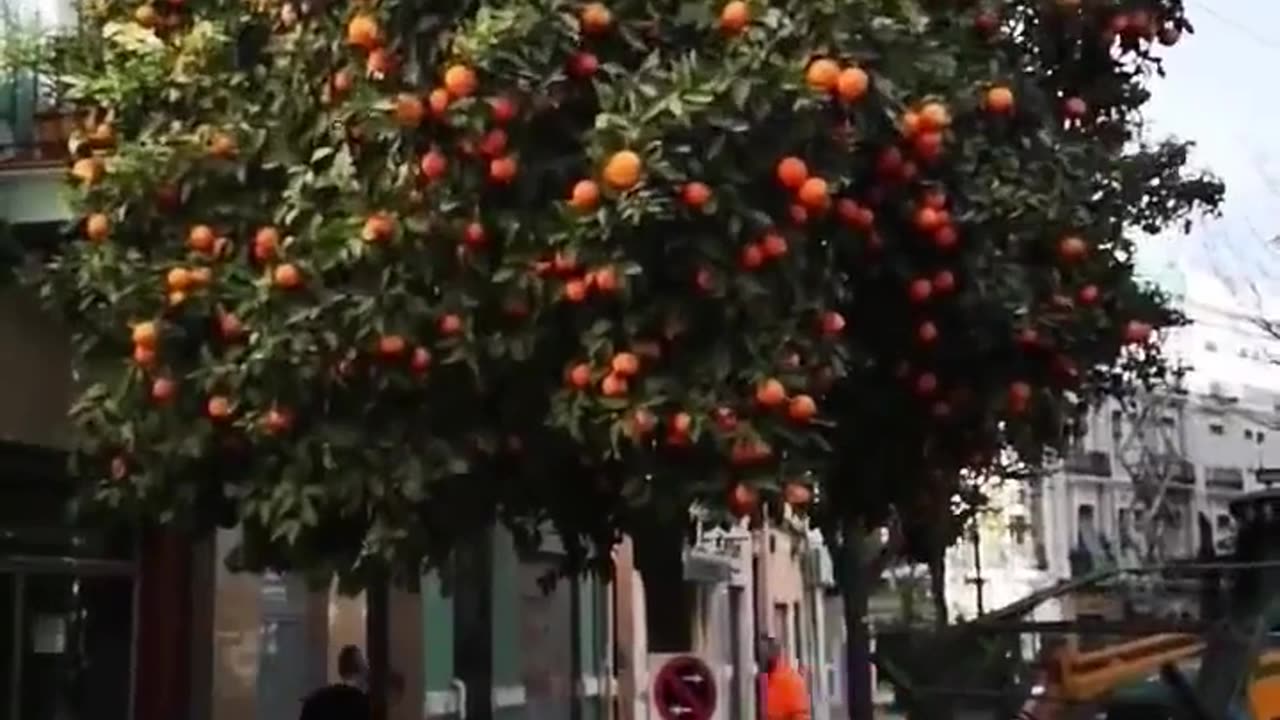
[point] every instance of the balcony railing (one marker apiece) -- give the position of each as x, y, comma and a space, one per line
1093, 462
34, 122
1224, 478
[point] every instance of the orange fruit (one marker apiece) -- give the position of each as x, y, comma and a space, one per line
595, 18
363, 32
802, 408
579, 375
575, 291
585, 196
201, 238
178, 279
222, 145
229, 326
460, 81
605, 279
774, 245
277, 421
433, 165
87, 170
771, 393
852, 83
287, 276
622, 171
380, 63
792, 172
999, 99
934, 116
696, 194
163, 389
341, 82
474, 234
439, 101
145, 334
822, 74
420, 359
391, 345
752, 256
814, 194
450, 324
265, 243
378, 227
409, 110
503, 170
613, 385
145, 357
218, 407
97, 227
201, 276
625, 364
734, 17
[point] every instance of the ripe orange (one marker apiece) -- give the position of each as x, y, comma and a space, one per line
474, 234
433, 165
439, 101
277, 421
1137, 332
391, 345
595, 18
265, 243
797, 494
743, 499
934, 116
97, 227
450, 324
575, 290
802, 408
999, 100
363, 32
145, 357
287, 276
774, 245
696, 194
613, 385
585, 196
792, 172
380, 63
222, 146
378, 227
1075, 108
218, 407
494, 142
822, 74
409, 110
163, 389
771, 393
625, 364
832, 322
605, 279
752, 256
87, 170
927, 332
813, 194
1072, 248
503, 170
579, 375
341, 82
201, 277
852, 84
178, 279
460, 81
420, 360
622, 171
910, 123
504, 109
201, 238
229, 326
734, 17
145, 334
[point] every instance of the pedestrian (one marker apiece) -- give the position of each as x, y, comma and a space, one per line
345, 699
785, 695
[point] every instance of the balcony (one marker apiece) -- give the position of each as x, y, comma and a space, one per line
35, 125
1224, 478
1094, 463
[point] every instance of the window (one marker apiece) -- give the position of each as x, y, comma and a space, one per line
1260, 436
1211, 346
1168, 421
1217, 429
1248, 434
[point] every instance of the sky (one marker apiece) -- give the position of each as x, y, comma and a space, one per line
1219, 92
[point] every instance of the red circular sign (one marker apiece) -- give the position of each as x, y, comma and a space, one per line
685, 689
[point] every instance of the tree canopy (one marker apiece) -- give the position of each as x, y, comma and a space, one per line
361, 277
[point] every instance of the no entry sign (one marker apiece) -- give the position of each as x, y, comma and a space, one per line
685, 689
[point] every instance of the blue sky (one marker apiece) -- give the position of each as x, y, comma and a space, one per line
1220, 92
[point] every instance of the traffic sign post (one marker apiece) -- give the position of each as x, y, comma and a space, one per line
685, 689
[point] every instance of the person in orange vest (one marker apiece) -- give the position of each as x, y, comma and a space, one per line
785, 695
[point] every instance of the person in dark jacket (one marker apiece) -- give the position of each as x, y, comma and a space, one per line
345, 699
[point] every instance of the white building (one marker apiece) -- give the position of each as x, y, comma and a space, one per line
1203, 446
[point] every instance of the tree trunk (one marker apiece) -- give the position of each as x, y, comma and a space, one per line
378, 646
938, 587
859, 698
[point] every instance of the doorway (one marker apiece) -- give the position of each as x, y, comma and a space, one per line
66, 639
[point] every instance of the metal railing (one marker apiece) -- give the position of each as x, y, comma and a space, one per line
35, 124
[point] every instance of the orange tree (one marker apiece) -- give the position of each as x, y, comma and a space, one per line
362, 276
